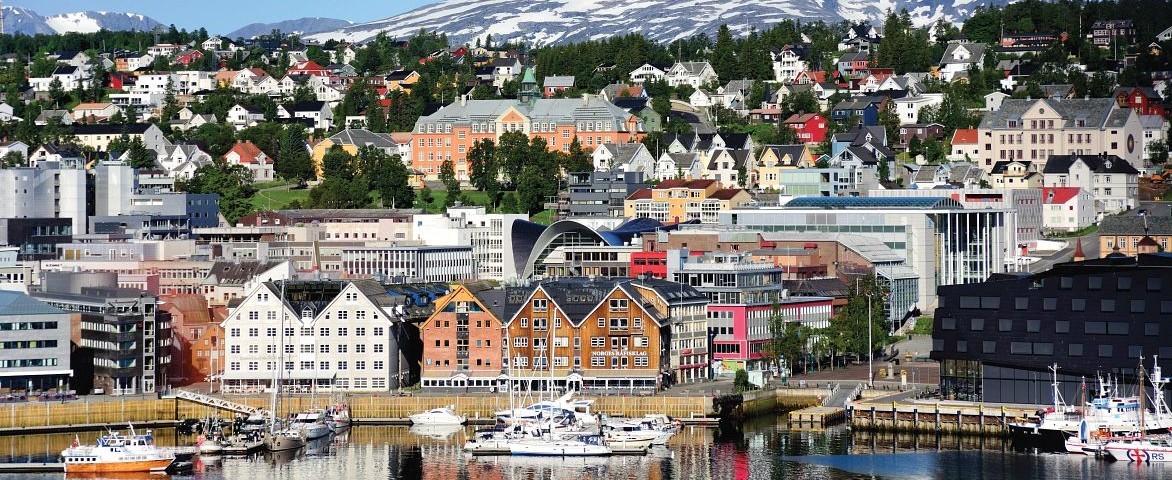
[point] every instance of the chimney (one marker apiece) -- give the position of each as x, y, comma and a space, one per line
585, 99
463, 100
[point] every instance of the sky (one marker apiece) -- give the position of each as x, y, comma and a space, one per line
223, 16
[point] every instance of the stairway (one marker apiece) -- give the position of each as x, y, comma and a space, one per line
216, 402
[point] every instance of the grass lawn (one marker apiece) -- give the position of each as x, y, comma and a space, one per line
277, 199
544, 217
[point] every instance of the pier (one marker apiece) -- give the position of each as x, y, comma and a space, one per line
953, 418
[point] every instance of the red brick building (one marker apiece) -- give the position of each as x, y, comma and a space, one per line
462, 342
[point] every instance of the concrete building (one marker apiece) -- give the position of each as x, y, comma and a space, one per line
684, 200
400, 263
472, 226
52, 189
122, 333
36, 344
1035, 130
120, 190
941, 240
1024, 221
35, 238
598, 194
1067, 209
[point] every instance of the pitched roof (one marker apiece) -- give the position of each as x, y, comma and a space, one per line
1058, 195
976, 51
964, 136
692, 68
92, 106
801, 118
623, 152
740, 158
1097, 164
1095, 112
640, 194
194, 307
305, 106
1136, 225
560, 110
238, 273
1000, 168
362, 137
247, 151
794, 152
725, 193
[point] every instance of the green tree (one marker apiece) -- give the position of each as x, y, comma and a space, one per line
339, 192
216, 138
539, 178
425, 197
56, 93
12, 159
140, 156
482, 166
724, 58
338, 163
848, 332
741, 381
577, 159
387, 175
512, 152
451, 183
293, 162
233, 184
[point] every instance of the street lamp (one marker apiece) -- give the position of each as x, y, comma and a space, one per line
870, 349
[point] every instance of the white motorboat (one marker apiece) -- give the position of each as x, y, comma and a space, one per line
557, 409
117, 453
438, 416
1140, 450
581, 446
338, 417
312, 424
630, 435
284, 439
210, 445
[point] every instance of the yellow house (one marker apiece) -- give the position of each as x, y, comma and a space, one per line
678, 200
351, 139
774, 159
401, 80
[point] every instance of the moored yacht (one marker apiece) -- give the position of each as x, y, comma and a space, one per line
117, 453
439, 416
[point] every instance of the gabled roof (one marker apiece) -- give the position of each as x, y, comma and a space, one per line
248, 152
306, 106
1097, 164
1095, 112
700, 184
194, 307
735, 140
964, 173
239, 273
976, 52
1000, 168
623, 152
399, 75
794, 152
740, 158
801, 118
692, 68
1058, 195
725, 194
964, 136
362, 137
640, 194
64, 70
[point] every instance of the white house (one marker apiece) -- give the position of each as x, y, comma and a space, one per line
6, 113
908, 108
1113, 183
624, 157
505, 69
243, 117
316, 110
702, 99
17, 146
789, 62
958, 57
678, 165
1067, 209
248, 154
690, 73
994, 100
647, 73
344, 339
182, 160
70, 77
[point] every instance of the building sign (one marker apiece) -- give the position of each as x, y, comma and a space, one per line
620, 353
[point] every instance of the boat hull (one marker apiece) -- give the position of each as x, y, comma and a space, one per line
280, 443
436, 420
554, 450
137, 466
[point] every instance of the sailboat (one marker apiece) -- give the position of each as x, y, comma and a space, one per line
281, 438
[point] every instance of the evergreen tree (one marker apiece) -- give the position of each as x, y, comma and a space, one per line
577, 159
293, 162
723, 58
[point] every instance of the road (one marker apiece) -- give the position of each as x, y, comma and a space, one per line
1090, 248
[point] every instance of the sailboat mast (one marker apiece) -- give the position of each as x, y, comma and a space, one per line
1142, 393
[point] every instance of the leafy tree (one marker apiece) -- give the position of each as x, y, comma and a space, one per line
538, 179
267, 136
387, 175
741, 381
512, 152
848, 332
317, 55
216, 138
338, 163
787, 341
303, 92
482, 166
451, 183
577, 159
233, 184
12, 159
56, 93
915, 146
425, 196
935, 151
339, 192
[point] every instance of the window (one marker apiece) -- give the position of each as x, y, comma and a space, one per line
271, 332
254, 332
378, 347
234, 349
977, 324
253, 348
307, 365
637, 323
378, 331
323, 366
360, 365
602, 321
597, 342
343, 331
324, 348
378, 365
618, 324
234, 366
323, 332
540, 305
342, 365
235, 332
597, 361
618, 305
360, 331
342, 347
641, 361
361, 348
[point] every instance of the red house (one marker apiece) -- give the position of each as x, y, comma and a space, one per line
1144, 100
308, 68
188, 57
121, 81
811, 127
652, 264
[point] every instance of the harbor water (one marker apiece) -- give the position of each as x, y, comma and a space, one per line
764, 448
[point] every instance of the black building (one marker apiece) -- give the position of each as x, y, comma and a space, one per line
36, 237
995, 340
598, 194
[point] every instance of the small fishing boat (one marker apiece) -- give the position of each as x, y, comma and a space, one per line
117, 453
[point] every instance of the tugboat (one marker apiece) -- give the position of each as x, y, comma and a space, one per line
117, 453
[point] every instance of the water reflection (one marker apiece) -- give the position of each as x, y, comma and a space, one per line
760, 449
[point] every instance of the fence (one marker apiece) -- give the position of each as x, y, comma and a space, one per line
116, 411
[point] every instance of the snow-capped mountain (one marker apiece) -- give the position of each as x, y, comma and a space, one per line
300, 26
542, 22
28, 22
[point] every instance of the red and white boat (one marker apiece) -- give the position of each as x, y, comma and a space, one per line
117, 453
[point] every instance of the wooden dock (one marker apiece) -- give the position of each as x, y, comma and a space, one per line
818, 416
32, 468
943, 417
85, 427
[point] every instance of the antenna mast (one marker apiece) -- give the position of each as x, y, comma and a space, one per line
1, 17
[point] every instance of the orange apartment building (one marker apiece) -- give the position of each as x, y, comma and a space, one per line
596, 334
680, 200
198, 349
451, 131
462, 342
